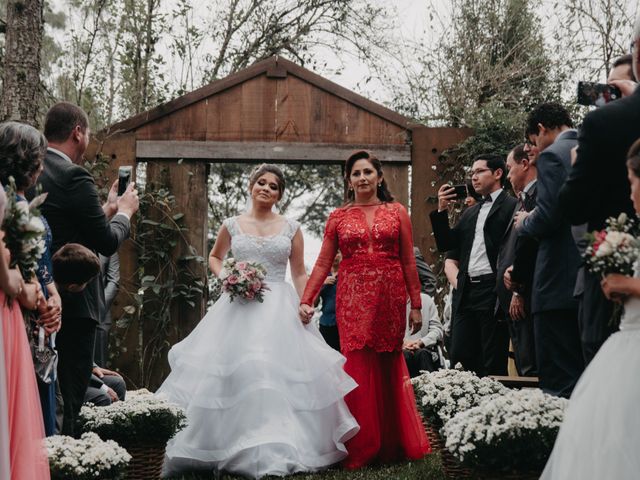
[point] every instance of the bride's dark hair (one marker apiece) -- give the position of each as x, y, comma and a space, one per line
260, 170
633, 158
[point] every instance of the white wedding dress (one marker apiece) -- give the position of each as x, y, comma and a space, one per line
264, 394
600, 436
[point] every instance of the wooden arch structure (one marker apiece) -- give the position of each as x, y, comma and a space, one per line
274, 111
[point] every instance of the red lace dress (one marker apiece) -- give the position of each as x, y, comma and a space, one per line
377, 272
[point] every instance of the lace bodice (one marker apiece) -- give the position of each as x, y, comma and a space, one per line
271, 252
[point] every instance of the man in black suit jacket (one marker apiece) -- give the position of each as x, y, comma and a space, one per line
74, 214
515, 306
554, 308
478, 340
597, 188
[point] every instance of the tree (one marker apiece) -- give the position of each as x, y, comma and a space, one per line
21, 66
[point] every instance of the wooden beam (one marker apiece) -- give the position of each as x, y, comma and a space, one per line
280, 152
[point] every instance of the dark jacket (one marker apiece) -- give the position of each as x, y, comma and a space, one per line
558, 260
597, 187
74, 212
461, 236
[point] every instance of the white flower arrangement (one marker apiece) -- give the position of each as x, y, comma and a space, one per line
142, 419
614, 249
511, 431
446, 392
86, 458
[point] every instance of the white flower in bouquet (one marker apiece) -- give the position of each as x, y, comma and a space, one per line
614, 249
514, 430
35, 224
88, 457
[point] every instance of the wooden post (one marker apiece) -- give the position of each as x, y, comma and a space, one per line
428, 145
397, 178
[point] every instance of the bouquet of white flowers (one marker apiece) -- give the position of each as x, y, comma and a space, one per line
446, 392
142, 419
86, 458
243, 279
514, 431
24, 231
614, 249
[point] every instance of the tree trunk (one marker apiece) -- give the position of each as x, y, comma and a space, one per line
21, 74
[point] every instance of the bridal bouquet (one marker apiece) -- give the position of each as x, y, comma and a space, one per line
24, 231
614, 249
243, 279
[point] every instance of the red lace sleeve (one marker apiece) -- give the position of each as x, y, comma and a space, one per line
323, 263
408, 259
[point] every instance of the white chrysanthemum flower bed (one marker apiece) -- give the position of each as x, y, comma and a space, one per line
143, 418
512, 431
86, 458
444, 393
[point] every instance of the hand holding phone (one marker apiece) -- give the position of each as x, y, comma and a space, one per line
598, 94
461, 191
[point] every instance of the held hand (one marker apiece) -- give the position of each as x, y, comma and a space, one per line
305, 312
519, 218
13, 284
507, 278
112, 395
415, 320
516, 309
101, 372
412, 345
129, 202
446, 195
111, 206
30, 296
330, 280
615, 286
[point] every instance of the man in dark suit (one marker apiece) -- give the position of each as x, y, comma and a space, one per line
555, 310
478, 340
597, 188
110, 271
515, 304
75, 215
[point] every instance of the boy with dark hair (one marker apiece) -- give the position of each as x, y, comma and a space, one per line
74, 266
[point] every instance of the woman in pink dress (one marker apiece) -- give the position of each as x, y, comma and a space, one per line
27, 454
377, 273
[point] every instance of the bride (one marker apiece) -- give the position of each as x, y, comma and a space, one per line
600, 434
263, 393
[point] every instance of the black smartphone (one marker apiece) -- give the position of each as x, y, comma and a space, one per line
124, 178
461, 191
598, 94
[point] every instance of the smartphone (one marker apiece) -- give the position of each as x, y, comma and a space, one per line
461, 191
124, 178
598, 94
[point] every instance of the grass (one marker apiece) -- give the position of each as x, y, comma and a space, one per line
429, 468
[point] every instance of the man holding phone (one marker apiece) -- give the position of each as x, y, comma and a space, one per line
75, 215
479, 341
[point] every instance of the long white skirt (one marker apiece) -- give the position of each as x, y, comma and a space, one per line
600, 435
264, 394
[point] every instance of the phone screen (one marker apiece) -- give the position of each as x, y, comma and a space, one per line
598, 94
124, 178
461, 191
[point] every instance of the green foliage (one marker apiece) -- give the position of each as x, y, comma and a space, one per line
166, 278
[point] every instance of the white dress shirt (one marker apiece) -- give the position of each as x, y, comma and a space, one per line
478, 260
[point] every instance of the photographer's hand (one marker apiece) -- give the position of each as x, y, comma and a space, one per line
627, 87
446, 195
111, 205
129, 202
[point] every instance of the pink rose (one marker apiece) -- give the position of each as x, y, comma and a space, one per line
241, 266
232, 279
250, 295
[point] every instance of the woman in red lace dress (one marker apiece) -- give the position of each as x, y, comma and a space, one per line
377, 272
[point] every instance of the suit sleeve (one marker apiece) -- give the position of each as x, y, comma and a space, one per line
447, 238
112, 280
545, 218
582, 186
97, 232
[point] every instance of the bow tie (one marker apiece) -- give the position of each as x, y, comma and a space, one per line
486, 199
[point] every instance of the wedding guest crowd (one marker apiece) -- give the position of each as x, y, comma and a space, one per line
49, 301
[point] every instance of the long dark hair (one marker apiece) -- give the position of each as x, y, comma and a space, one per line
633, 158
22, 151
382, 191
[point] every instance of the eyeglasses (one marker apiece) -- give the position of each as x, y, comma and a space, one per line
479, 171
